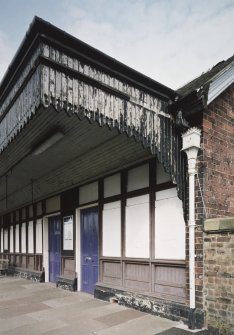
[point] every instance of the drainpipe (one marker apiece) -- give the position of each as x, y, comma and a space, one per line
191, 145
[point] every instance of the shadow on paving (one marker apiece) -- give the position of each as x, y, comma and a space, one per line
178, 331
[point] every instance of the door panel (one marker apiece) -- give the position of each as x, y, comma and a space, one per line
54, 248
89, 249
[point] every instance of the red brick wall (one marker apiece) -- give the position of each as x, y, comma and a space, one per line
218, 150
219, 282
216, 174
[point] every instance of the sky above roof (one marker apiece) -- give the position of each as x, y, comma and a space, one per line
171, 41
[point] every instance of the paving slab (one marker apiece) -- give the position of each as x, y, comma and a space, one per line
117, 318
40, 308
35, 329
147, 325
8, 326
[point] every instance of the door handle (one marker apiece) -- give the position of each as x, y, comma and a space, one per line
88, 259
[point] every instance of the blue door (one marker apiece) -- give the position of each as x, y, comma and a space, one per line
54, 248
89, 249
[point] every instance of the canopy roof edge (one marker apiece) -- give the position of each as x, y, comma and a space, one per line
44, 29
52, 68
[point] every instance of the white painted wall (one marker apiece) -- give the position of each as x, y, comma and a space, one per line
5, 239
1, 239
138, 177
46, 248
30, 237
17, 238
161, 175
112, 185
23, 238
53, 204
39, 236
88, 193
111, 227
137, 227
169, 226
78, 250
11, 239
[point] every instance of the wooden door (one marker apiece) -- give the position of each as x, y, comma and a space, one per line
89, 249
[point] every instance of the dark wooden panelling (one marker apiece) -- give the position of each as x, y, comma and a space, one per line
23, 214
23, 261
39, 209
170, 282
30, 264
137, 276
38, 262
11, 259
30, 211
69, 201
17, 260
17, 216
112, 273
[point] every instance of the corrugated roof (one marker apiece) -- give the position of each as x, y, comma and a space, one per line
205, 78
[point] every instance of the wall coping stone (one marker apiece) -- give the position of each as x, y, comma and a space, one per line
219, 224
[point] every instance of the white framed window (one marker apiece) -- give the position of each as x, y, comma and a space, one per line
169, 226
111, 229
5, 239
30, 238
23, 238
137, 227
112, 185
138, 178
17, 238
1, 239
53, 204
11, 239
88, 193
39, 236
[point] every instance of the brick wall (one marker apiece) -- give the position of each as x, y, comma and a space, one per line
216, 174
218, 150
219, 281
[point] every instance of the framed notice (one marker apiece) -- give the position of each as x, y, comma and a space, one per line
68, 232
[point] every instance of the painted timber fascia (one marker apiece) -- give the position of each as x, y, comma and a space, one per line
220, 82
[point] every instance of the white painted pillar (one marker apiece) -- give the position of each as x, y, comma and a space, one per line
191, 145
46, 247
